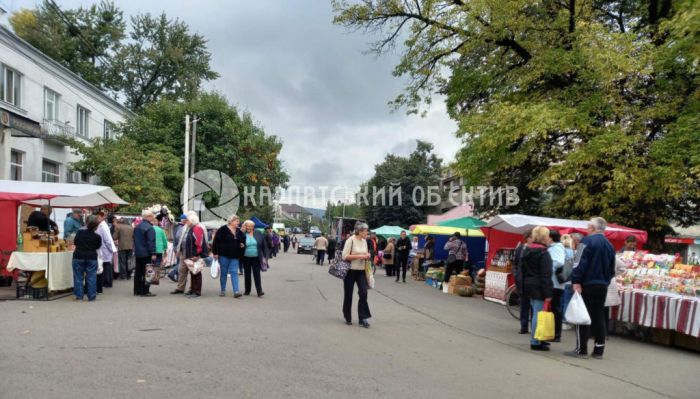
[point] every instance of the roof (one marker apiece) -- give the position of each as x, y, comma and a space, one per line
294, 208
33, 53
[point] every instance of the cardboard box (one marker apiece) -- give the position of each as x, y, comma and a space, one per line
687, 341
661, 336
457, 281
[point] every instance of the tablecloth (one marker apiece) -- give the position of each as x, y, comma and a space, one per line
60, 272
659, 310
497, 284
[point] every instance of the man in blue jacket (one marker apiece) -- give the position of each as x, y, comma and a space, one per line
144, 251
73, 223
591, 279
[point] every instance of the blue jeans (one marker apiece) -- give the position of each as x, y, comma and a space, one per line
568, 294
81, 267
228, 266
174, 273
537, 305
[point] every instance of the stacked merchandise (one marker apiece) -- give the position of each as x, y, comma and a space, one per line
434, 276
658, 273
461, 285
480, 282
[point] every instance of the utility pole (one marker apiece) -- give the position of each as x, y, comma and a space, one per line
194, 143
185, 188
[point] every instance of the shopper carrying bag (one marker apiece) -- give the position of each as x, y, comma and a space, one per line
576, 312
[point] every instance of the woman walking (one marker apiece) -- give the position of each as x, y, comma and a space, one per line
87, 243
228, 247
537, 279
253, 256
356, 252
196, 247
388, 257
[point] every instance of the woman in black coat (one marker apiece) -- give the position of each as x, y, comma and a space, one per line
537, 279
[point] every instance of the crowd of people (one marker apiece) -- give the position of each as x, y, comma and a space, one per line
239, 250
541, 257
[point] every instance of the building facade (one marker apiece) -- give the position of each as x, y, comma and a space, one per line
296, 212
42, 104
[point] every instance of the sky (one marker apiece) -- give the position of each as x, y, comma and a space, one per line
306, 81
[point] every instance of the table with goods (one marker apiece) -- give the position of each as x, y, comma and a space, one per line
461, 284
657, 291
35, 250
499, 275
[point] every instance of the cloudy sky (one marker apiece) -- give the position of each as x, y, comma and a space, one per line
306, 81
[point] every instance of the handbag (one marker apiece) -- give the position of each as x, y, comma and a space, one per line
386, 255
576, 312
339, 267
563, 273
545, 324
194, 267
451, 258
263, 265
215, 269
152, 277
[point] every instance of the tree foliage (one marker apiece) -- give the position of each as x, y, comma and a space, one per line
139, 174
421, 168
591, 108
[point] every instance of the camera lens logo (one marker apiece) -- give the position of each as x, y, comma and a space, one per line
222, 185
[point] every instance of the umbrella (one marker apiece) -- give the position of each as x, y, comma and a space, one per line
390, 231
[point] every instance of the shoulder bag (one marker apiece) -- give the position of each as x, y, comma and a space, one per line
451, 258
339, 267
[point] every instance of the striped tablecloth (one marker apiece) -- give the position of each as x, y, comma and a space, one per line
659, 310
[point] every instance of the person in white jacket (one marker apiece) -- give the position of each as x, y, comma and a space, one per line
558, 253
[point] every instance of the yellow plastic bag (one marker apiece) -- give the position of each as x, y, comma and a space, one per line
545, 324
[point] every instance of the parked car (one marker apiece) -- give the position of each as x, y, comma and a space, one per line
306, 245
315, 231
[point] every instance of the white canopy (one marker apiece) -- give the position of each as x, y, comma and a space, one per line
60, 195
520, 223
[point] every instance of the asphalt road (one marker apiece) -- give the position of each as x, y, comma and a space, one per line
293, 343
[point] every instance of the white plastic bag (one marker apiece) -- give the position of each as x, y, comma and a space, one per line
215, 269
576, 312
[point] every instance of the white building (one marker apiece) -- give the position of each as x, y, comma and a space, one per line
41, 104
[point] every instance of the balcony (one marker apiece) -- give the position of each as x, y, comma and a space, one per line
57, 132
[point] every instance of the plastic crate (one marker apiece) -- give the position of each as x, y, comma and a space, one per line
32, 293
429, 281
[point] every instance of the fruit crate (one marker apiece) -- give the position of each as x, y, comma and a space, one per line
32, 294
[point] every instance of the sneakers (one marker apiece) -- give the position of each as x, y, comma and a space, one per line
543, 348
364, 323
237, 295
193, 296
597, 356
222, 294
576, 355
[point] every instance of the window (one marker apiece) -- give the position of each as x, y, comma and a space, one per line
109, 129
84, 178
83, 122
51, 100
10, 86
49, 172
16, 159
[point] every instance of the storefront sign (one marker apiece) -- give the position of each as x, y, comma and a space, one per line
4, 118
20, 123
675, 240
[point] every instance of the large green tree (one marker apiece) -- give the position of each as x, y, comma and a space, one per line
85, 41
228, 140
415, 177
590, 108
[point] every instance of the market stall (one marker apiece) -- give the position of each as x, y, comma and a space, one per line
389, 231
45, 252
475, 240
505, 232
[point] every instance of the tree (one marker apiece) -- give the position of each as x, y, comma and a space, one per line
138, 174
162, 60
84, 43
421, 169
228, 140
590, 108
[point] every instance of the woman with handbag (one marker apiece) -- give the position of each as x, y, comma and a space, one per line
457, 254
253, 257
196, 248
87, 242
389, 256
228, 246
357, 253
536, 268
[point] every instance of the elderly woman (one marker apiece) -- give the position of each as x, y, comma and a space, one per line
196, 247
388, 258
228, 246
87, 242
356, 252
253, 256
537, 272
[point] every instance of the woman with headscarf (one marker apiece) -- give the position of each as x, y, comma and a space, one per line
253, 256
228, 246
87, 242
356, 252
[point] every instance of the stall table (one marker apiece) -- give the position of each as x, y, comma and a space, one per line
497, 284
60, 276
659, 310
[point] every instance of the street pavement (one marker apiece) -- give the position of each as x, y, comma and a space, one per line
293, 343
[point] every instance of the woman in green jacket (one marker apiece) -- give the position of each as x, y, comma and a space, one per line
161, 243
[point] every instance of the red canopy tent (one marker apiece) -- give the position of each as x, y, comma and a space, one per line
506, 231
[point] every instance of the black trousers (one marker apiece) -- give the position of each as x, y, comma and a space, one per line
557, 310
594, 298
331, 255
140, 286
525, 310
123, 257
401, 267
358, 277
454, 267
252, 264
107, 274
389, 269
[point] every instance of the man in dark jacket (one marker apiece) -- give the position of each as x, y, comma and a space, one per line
145, 252
591, 279
403, 248
267, 235
525, 308
331, 248
41, 220
124, 235
536, 269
